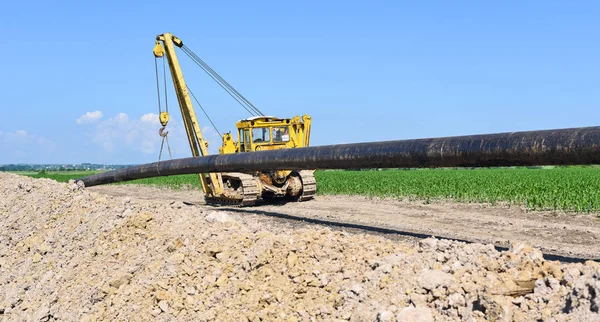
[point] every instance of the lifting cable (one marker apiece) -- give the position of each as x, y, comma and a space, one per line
165, 138
202, 108
245, 103
237, 96
245, 106
157, 84
161, 131
165, 82
222, 80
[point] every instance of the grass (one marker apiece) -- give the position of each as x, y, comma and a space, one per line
562, 188
172, 182
60, 176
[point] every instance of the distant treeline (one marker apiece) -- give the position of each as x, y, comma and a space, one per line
60, 167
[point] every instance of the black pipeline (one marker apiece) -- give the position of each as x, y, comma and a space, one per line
576, 146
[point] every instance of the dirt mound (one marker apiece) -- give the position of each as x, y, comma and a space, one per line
70, 254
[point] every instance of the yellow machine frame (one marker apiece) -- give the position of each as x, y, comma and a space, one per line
295, 134
282, 133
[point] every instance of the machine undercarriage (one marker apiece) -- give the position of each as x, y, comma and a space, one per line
243, 189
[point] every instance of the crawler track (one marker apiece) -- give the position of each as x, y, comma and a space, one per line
249, 190
309, 185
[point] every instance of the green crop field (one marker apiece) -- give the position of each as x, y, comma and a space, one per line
569, 188
173, 182
60, 176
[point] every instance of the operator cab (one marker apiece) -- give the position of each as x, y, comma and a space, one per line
264, 133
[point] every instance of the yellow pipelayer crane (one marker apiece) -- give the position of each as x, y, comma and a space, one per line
256, 133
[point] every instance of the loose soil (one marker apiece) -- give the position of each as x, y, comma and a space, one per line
73, 254
555, 233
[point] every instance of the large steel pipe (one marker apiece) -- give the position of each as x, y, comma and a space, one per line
548, 147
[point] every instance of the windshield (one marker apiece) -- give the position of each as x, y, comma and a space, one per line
260, 135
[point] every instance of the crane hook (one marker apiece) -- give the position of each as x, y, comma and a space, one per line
164, 136
162, 131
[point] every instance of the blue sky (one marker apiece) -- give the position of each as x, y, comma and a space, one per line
78, 77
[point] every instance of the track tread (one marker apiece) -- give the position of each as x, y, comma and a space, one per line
249, 189
309, 185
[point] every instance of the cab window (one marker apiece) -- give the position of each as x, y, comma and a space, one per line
281, 134
246, 135
261, 135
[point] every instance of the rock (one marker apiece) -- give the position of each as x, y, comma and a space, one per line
73, 186
292, 259
456, 300
120, 280
546, 286
584, 296
497, 308
178, 306
155, 311
187, 269
418, 299
43, 312
163, 295
456, 266
164, 306
218, 216
443, 245
44, 248
431, 279
413, 314
222, 280
313, 281
385, 316
356, 289
177, 258
174, 245
429, 243
571, 274
126, 213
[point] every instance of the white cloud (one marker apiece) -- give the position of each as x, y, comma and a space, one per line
150, 117
23, 137
122, 134
121, 118
23, 146
89, 117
